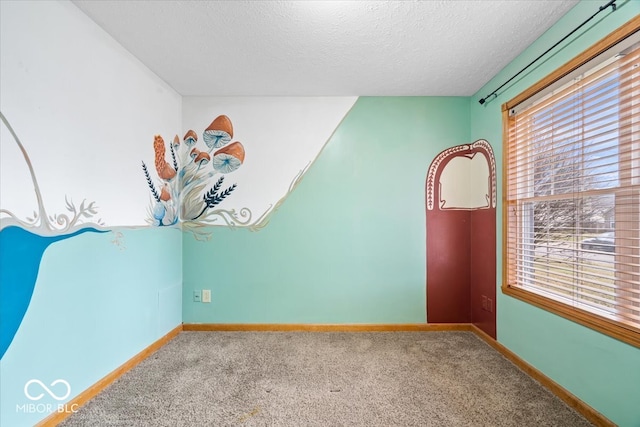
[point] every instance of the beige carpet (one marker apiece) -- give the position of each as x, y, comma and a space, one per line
326, 379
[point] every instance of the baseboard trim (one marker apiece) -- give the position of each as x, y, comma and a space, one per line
57, 417
562, 393
303, 327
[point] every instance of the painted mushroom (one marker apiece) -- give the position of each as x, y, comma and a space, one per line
202, 159
165, 194
194, 153
229, 158
159, 211
190, 138
176, 142
219, 133
164, 169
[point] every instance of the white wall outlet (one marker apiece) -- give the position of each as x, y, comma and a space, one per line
206, 295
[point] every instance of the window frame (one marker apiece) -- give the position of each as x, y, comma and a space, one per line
621, 331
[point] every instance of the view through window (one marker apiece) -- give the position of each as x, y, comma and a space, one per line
573, 193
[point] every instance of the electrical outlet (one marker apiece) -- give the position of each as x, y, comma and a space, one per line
196, 296
484, 302
206, 295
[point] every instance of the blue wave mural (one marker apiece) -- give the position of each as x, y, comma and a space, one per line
24, 241
20, 256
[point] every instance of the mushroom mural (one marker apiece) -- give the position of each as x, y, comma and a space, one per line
229, 158
165, 194
219, 133
202, 159
190, 138
164, 169
183, 195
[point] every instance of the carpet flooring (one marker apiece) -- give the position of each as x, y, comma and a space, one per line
326, 379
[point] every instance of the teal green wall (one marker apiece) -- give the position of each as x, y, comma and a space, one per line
603, 372
348, 245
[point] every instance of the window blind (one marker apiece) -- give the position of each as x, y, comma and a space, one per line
572, 193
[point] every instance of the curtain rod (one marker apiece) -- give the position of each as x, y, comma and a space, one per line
612, 4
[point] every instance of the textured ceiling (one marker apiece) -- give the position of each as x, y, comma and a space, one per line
235, 48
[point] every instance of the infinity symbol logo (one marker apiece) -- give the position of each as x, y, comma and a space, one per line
45, 388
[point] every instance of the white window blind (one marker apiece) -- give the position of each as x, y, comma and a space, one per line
572, 188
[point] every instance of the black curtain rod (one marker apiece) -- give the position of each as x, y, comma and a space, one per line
611, 4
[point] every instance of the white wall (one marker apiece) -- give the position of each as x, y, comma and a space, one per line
282, 136
84, 108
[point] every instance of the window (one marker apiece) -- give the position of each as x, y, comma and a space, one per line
572, 190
